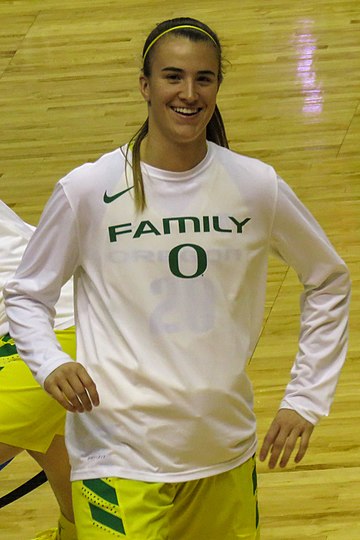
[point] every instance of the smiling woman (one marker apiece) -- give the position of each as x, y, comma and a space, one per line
170, 294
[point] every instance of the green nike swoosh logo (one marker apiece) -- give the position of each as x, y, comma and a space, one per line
110, 198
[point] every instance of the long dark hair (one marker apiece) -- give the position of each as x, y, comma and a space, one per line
194, 30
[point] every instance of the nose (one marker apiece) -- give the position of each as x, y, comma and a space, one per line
188, 90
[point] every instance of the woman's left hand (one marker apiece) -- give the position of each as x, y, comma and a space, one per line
287, 427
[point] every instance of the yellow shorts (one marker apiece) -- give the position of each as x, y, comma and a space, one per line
221, 507
29, 417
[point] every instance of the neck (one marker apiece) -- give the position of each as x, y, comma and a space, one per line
173, 157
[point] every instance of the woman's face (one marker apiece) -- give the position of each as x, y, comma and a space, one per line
181, 90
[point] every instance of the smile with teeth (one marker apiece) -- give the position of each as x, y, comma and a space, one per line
186, 111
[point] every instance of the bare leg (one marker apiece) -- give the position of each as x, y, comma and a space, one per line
8, 452
57, 468
55, 463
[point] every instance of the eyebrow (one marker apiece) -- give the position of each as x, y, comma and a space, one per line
179, 70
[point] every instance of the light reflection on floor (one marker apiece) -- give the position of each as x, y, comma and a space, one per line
306, 46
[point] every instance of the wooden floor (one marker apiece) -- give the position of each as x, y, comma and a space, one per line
291, 96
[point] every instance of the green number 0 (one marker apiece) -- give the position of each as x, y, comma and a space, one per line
174, 261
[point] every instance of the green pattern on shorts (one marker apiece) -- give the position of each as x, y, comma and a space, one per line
103, 505
8, 352
105, 518
102, 490
254, 482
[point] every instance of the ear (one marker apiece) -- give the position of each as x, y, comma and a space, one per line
144, 88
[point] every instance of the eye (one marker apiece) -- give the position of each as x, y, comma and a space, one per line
205, 79
173, 77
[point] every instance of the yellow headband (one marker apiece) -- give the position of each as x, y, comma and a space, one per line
178, 28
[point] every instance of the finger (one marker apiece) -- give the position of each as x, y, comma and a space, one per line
269, 440
72, 395
289, 447
304, 444
57, 394
76, 392
279, 443
84, 399
276, 450
92, 396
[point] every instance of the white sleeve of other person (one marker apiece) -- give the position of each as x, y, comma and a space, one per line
14, 237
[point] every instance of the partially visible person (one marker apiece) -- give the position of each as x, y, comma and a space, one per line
30, 419
168, 238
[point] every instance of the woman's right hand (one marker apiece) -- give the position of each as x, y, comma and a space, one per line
71, 385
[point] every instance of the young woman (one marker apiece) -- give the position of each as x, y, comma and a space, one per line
29, 418
168, 239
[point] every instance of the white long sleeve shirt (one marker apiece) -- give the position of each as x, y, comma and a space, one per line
169, 307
